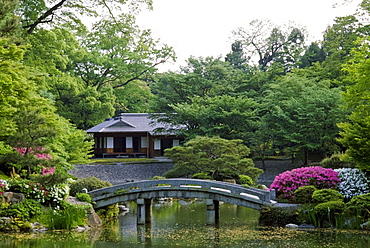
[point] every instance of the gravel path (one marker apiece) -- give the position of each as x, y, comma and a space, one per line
126, 172
121, 172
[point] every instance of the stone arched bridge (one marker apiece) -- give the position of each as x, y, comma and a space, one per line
213, 191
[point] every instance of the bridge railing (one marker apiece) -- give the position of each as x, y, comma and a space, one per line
183, 184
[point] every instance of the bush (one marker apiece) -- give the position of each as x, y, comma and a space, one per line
326, 195
336, 161
353, 182
201, 175
89, 183
329, 214
59, 176
304, 194
275, 216
24, 210
245, 180
83, 197
360, 204
287, 182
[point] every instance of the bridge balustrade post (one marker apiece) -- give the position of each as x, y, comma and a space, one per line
213, 211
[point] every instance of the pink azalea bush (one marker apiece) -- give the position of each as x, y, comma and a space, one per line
24, 150
47, 171
287, 182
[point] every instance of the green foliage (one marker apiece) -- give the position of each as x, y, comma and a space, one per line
329, 214
325, 195
89, 183
304, 113
69, 217
245, 180
303, 194
60, 176
336, 161
355, 129
276, 216
157, 178
108, 213
220, 158
224, 116
25, 210
273, 43
201, 175
83, 197
360, 205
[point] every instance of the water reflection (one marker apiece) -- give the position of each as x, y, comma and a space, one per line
183, 224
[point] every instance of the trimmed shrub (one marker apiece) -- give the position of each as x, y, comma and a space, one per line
287, 182
329, 213
352, 182
360, 205
89, 183
335, 161
304, 194
245, 180
326, 195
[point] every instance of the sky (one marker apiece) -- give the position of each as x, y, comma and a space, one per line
202, 28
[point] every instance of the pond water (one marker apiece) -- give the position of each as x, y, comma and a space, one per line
183, 224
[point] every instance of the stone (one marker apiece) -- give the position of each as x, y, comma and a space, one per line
93, 218
306, 226
123, 208
13, 198
365, 226
291, 226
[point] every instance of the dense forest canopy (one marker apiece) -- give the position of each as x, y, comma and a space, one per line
59, 77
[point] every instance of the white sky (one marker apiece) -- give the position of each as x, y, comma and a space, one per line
203, 27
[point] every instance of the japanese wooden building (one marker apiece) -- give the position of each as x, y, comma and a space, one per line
131, 135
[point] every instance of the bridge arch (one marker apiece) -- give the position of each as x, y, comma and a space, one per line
213, 191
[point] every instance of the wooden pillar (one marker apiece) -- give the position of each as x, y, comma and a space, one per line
213, 211
144, 211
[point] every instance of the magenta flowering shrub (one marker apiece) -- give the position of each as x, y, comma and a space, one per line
47, 171
287, 182
24, 150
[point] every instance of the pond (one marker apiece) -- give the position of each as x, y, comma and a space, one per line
182, 224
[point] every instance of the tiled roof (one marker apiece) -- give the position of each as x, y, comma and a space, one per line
127, 122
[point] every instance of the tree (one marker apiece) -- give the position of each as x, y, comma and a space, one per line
355, 132
135, 97
303, 113
313, 54
29, 120
201, 77
224, 116
119, 53
271, 43
68, 12
9, 23
219, 158
236, 57
338, 41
